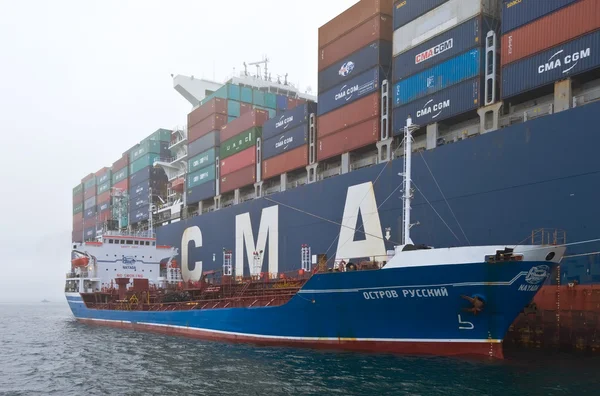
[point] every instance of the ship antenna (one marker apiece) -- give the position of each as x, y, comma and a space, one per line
407, 180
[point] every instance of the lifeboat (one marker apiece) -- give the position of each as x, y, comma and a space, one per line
178, 184
80, 261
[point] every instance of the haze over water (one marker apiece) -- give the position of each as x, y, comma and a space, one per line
44, 351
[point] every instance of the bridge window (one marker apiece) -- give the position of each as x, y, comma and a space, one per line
147, 243
122, 241
153, 243
129, 242
137, 243
111, 241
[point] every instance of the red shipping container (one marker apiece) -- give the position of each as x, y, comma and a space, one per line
88, 177
212, 123
294, 102
78, 218
241, 124
295, 159
77, 236
351, 114
101, 172
78, 225
554, 29
237, 179
238, 161
87, 223
87, 194
120, 163
348, 139
122, 185
105, 215
77, 199
376, 28
105, 196
352, 17
213, 106
245, 108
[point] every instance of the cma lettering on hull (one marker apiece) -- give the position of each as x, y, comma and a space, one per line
360, 202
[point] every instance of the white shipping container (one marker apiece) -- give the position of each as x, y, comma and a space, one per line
89, 203
440, 19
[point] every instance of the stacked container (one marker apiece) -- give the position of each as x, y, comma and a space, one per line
89, 207
439, 58
144, 179
543, 42
77, 234
103, 196
237, 154
354, 58
284, 141
120, 184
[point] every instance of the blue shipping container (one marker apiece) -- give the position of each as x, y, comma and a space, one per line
246, 95
437, 78
103, 206
233, 108
202, 160
204, 143
376, 53
285, 142
282, 102
200, 193
139, 215
406, 11
288, 120
136, 203
88, 203
349, 91
557, 63
143, 188
90, 233
447, 45
516, 13
148, 172
89, 213
442, 105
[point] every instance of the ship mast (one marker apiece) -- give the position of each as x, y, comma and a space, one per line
407, 179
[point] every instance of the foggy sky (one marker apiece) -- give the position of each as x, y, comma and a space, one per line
83, 81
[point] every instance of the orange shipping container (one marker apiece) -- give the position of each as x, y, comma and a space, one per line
352, 17
551, 30
213, 106
212, 123
346, 116
241, 178
103, 197
295, 159
377, 28
238, 161
255, 118
348, 139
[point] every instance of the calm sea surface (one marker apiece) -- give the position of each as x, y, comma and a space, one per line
44, 351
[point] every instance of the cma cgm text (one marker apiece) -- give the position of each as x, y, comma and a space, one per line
284, 141
346, 92
283, 122
436, 107
567, 60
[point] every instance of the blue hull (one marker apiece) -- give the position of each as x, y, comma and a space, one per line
417, 309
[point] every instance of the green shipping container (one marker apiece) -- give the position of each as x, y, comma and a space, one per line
240, 142
144, 161
201, 160
78, 190
270, 100
200, 177
233, 92
227, 91
120, 175
246, 95
163, 135
90, 183
233, 108
78, 208
258, 98
145, 147
103, 188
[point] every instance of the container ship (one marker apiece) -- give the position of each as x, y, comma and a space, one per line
267, 190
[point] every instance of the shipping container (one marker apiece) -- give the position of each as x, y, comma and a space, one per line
350, 91
439, 20
245, 108
87, 194
138, 202
227, 91
78, 198
104, 216
77, 237
103, 197
200, 193
351, 18
88, 203
78, 222
119, 175
202, 176
138, 215
231, 119
258, 97
119, 164
516, 13
214, 106
376, 53
144, 161
349, 139
78, 190
204, 143
286, 141
439, 77
90, 213
146, 173
90, 183
293, 159
406, 11
90, 234
288, 120
282, 102
238, 161
160, 134
202, 160
555, 64
246, 95
77, 208
377, 28
440, 106
248, 121
102, 188
87, 178
105, 177
91, 221
149, 147
124, 213
241, 178
78, 216
212, 123
122, 185
346, 116
271, 112
552, 30
458, 40
270, 100
239, 143
143, 188
292, 103
103, 206
233, 108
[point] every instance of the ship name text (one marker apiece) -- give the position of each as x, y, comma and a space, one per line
406, 293
529, 288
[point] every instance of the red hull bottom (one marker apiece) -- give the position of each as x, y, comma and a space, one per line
482, 349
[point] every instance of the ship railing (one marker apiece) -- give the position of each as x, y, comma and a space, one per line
179, 139
548, 236
587, 97
136, 234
